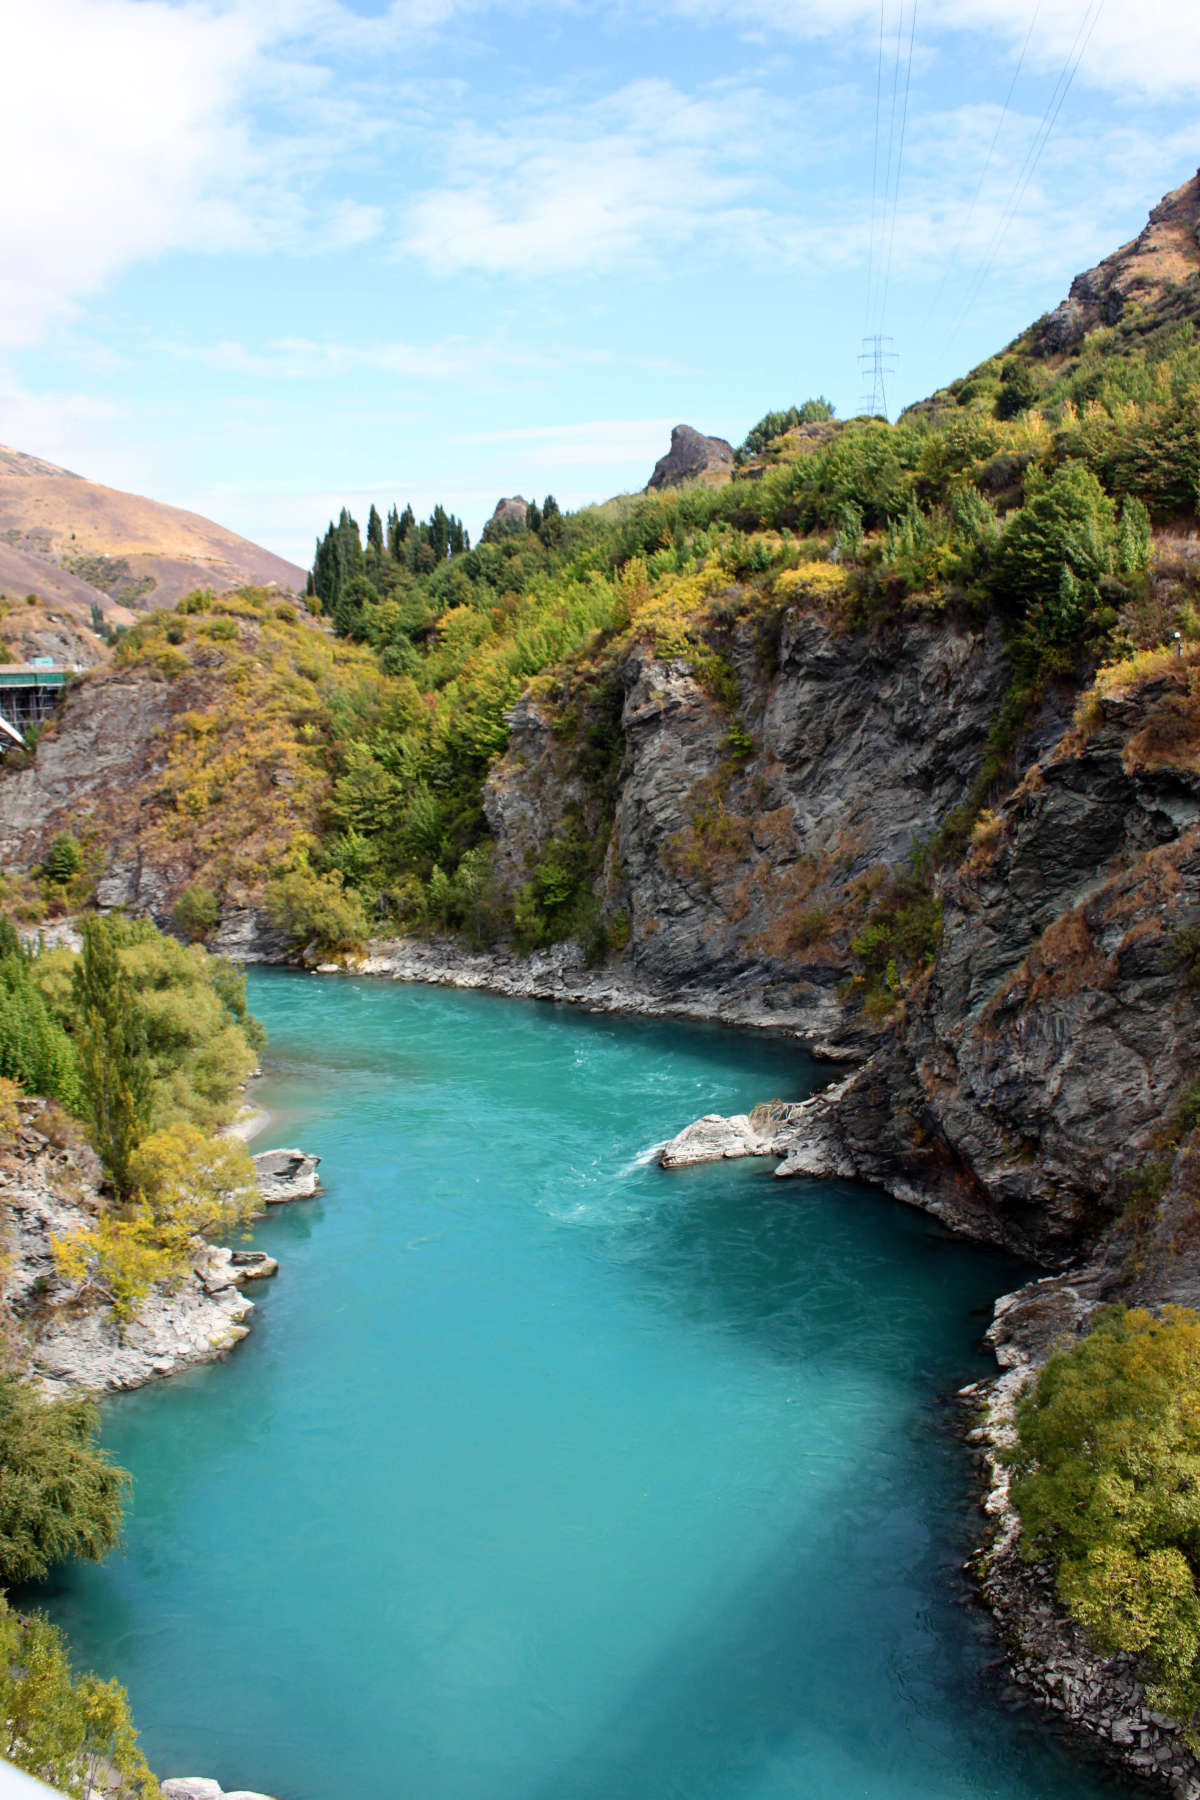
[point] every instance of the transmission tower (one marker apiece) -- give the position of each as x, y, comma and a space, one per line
877, 363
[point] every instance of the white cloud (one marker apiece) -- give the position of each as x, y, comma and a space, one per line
642, 171
1150, 49
308, 359
113, 134
138, 126
595, 443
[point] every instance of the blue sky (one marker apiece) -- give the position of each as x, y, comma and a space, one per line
267, 255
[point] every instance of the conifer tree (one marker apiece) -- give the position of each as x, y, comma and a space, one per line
115, 1075
374, 531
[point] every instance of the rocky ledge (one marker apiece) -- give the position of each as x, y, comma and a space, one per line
563, 974
286, 1175
49, 1190
198, 1787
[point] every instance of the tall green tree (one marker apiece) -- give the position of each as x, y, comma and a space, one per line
115, 1072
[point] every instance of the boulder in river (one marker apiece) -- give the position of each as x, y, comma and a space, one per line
286, 1175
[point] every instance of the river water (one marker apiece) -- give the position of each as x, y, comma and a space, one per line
547, 1475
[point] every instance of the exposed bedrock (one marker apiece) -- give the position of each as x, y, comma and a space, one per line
1046, 1052
749, 873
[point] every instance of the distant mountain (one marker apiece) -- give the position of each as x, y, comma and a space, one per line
77, 544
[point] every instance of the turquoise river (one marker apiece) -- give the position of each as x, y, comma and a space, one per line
548, 1475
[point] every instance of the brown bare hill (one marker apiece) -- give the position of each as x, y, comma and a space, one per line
77, 544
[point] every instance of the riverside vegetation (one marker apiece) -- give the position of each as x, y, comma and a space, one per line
141, 1044
334, 774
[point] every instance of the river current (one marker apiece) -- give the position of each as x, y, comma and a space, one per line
548, 1475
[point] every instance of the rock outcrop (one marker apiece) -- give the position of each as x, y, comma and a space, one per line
1155, 267
693, 457
510, 514
50, 1188
285, 1175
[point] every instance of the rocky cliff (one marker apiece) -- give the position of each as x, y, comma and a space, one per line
752, 826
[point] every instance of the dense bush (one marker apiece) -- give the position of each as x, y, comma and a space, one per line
773, 424
1055, 551
156, 1041
196, 912
35, 1049
1106, 1477
60, 1495
73, 1732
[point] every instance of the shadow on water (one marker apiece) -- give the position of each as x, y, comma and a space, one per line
778, 1676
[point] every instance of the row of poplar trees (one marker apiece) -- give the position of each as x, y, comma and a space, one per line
345, 573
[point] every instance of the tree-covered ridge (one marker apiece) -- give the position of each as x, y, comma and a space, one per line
1041, 520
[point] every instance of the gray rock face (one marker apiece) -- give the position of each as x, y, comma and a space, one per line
512, 512
111, 740
724, 871
692, 457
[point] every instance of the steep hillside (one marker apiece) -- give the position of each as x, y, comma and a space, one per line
199, 758
78, 544
1090, 347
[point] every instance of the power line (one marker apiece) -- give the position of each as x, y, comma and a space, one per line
987, 161
875, 169
1041, 138
887, 271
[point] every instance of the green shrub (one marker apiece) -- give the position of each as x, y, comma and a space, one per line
63, 860
1105, 1480
773, 424
35, 1049
1054, 552
73, 1732
60, 1495
196, 913
317, 909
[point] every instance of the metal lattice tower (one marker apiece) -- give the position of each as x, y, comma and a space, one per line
876, 363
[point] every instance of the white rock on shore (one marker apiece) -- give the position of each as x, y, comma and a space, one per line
285, 1175
199, 1787
714, 1138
